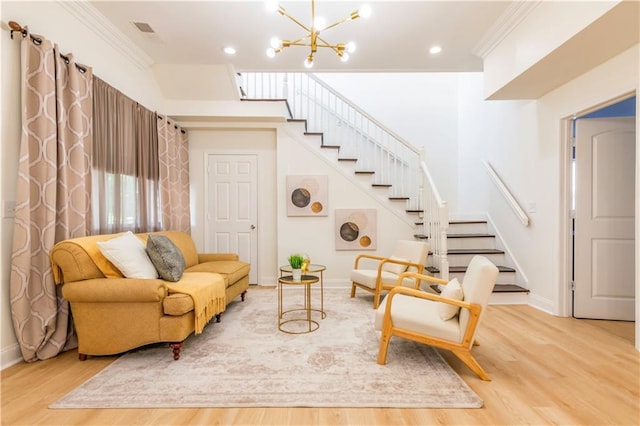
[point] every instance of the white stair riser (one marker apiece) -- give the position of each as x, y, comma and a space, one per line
503, 277
469, 243
509, 299
465, 259
468, 228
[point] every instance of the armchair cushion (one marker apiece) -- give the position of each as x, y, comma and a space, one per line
127, 253
419, 316
395, 268
166, 257
453, 290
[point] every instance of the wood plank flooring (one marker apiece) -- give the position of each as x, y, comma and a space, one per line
545, 370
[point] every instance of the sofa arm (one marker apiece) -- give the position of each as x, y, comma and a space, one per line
213, 257
115, 290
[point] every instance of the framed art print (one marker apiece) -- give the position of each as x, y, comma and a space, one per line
356, 229
307, 195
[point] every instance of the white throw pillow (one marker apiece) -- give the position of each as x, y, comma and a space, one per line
395, 268
128, 254
453, 290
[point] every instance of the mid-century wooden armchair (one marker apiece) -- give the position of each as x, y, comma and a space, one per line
449, 320
377, 273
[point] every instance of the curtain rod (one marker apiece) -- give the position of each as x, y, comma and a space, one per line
15, 27
174, 126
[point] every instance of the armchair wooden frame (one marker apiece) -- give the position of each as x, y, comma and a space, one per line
460, 349
380, 286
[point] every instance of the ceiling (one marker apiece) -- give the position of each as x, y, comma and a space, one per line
396, 37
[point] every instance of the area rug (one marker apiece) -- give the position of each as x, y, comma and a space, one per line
245, 361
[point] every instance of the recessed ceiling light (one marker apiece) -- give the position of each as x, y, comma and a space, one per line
435, 49
229, 50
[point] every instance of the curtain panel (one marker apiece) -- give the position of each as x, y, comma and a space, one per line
52, 201
125, 164
173, 147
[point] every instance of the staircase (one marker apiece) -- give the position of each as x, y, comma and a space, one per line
392, 169
467, 238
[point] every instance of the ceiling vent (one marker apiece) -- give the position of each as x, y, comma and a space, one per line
144, 27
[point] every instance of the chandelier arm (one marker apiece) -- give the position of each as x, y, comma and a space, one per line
298, 42
326, 44
286, 15
336, 24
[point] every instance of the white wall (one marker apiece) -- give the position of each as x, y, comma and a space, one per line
282, 150
110, 62
422, 108
524, 144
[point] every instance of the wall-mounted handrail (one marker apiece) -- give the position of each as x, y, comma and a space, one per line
513, 203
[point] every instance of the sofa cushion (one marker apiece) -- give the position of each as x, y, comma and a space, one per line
177, 304
128, 254
231, 270
166, 257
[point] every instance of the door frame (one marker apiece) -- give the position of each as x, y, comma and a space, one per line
565, 296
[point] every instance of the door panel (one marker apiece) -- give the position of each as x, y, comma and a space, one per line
605, 219
232, 212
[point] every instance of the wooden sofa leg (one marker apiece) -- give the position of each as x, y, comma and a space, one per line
176, 350
82, 357
218, 317
243, 295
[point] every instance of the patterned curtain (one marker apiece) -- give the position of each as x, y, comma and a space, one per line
53, 192
173, 152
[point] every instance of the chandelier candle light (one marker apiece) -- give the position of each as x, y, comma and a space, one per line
312, 39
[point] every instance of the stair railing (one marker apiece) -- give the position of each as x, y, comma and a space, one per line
435, 224
359, 136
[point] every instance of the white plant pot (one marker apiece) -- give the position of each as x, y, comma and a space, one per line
297, 274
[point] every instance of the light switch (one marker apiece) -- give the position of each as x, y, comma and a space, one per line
8, 209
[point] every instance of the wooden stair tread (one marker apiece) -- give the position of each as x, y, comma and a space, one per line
475, 251
398, 198
347, 159
470, 236
497, 288
467, 221
435, 270
330, 146
509, 288
364, 172
381, 185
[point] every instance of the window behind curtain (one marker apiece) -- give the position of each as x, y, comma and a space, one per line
125, 194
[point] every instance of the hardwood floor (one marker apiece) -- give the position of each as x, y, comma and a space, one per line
545, 370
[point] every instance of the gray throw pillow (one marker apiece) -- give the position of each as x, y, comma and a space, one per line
166, 257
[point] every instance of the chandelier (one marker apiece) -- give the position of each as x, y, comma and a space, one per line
312, 36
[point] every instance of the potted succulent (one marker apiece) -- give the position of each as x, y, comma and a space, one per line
296, 260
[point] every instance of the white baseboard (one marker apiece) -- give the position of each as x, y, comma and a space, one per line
10, 356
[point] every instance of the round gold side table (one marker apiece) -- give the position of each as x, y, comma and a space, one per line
306, 281
314, 269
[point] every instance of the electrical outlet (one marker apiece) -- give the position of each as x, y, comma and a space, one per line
8, 209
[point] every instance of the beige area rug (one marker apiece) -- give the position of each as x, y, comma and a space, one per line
244, 361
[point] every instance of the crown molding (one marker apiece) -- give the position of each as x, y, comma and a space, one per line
503, 26
103, 28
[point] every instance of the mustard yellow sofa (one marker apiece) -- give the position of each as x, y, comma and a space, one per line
113, 314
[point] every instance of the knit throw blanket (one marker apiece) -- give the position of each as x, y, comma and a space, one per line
208, 297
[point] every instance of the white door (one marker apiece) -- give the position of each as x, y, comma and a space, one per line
605, 218
232, 212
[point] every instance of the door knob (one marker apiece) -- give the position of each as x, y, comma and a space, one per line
253, 227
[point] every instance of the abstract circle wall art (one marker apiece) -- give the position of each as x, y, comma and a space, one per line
356, 229
307, 195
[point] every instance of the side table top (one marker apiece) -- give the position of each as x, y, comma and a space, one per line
314, 267
305, 279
